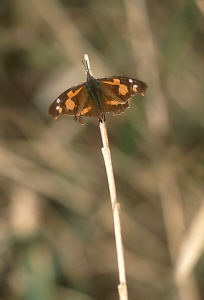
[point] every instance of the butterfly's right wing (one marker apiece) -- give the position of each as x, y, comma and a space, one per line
117, 90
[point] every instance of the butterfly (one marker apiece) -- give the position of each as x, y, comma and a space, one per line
95, 97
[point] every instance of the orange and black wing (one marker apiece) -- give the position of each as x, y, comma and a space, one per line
71, 102
117, 90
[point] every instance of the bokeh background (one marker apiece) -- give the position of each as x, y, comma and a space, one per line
56, 228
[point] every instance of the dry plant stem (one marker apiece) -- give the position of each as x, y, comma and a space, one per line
122, 287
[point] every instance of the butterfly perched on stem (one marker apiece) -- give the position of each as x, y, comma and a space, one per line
95, 97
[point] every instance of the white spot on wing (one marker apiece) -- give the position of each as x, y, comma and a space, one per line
57, 107
58, 100
130, 80
135, 85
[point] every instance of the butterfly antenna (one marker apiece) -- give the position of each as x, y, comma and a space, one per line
87, 65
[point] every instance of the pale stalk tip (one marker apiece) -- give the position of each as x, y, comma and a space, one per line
86, 58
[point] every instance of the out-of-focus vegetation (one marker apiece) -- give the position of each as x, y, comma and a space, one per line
56, 229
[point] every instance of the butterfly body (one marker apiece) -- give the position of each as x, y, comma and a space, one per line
95, 97
93, 87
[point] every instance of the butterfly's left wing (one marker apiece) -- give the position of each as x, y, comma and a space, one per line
117, 90
70, 102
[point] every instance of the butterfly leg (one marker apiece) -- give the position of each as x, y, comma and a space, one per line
80, 118
102, 119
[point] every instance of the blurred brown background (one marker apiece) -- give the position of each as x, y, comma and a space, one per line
56, 228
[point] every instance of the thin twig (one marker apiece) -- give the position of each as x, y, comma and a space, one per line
122, 287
